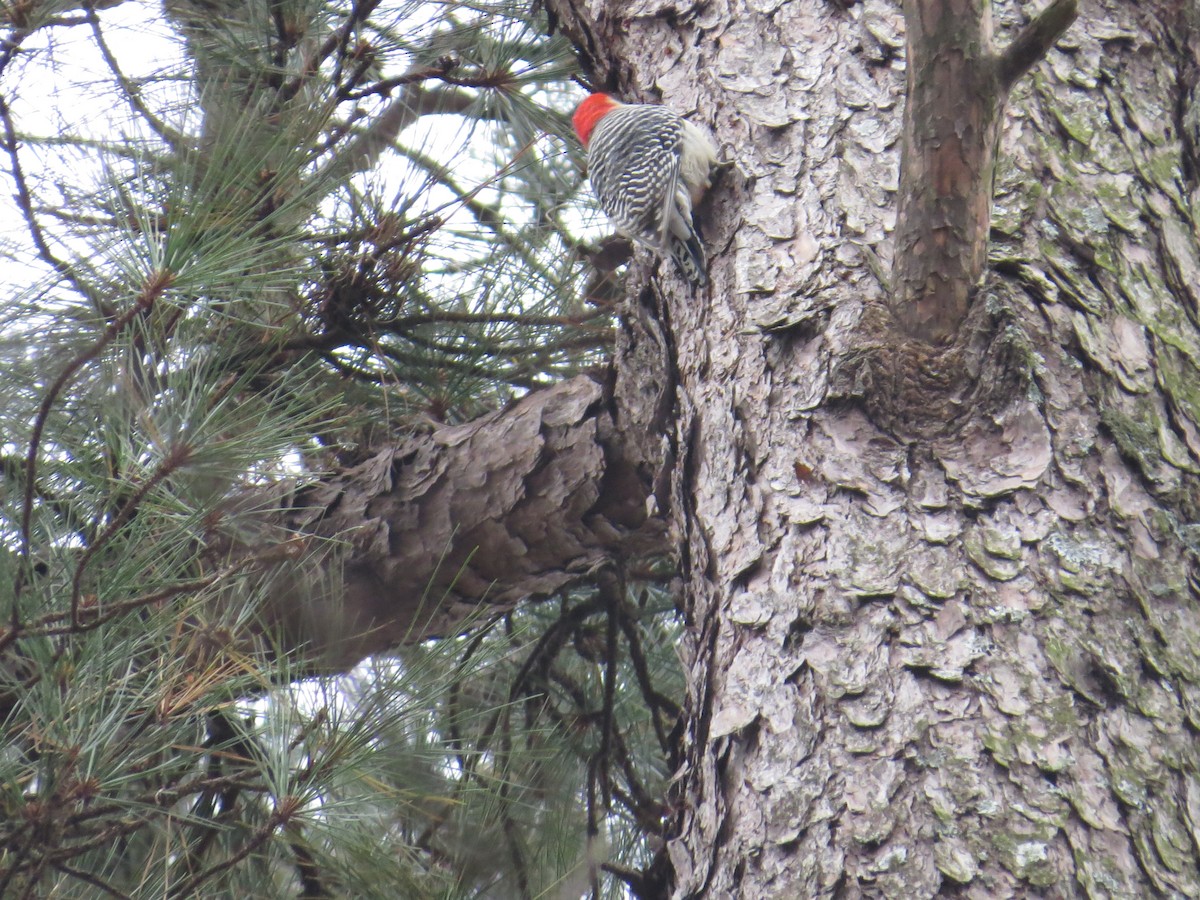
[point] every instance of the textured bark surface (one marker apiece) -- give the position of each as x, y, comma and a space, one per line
969, 664
953, 100
956, 88
455, 524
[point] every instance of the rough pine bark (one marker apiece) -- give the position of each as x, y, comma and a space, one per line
943, 629
425, 537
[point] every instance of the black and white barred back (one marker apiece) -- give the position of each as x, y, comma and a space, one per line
633, 164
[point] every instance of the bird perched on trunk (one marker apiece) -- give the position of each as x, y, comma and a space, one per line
649, 167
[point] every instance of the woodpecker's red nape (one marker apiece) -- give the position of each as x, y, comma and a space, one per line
594, 108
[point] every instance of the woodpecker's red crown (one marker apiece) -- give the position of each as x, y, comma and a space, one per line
594, 108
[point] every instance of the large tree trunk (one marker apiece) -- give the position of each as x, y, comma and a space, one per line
944, 633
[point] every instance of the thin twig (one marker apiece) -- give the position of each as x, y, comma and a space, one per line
337, 40
156, 284
91, 879
412, 76
284, 810
12, 44
611, 586
656, 702
25, 198
132, 93
173, 460
44, 626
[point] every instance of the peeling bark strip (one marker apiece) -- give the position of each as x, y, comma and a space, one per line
518, 504
957, 88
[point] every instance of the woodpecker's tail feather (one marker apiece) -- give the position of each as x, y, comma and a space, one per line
689, 258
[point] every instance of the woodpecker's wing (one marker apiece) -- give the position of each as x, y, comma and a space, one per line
666, 212
633, 165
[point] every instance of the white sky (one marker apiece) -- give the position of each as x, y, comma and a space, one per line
61, 85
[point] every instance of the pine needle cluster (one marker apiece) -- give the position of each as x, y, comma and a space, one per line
251, 241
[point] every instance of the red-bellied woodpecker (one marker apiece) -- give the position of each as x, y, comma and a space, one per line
648, 168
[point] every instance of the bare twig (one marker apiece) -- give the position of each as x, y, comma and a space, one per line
285, 808
44, 626
174, 459
413, 76
610, 583
131, 91
88, 878
155, 285
11, 45
25, 198
657, 703
340, 39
